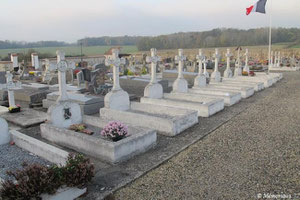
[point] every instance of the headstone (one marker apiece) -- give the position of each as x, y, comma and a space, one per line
4, 132
180, 84
35, 61
216, 75
153, 89
64, 113
10, 86
205, 72
228, 72
117, 98
47, 74
14, 60
238, 70
200, 80
246, 68
80, 78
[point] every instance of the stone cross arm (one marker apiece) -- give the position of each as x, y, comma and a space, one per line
153, 59
115, 61
180, 58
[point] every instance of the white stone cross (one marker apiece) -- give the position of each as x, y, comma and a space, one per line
271, 59
180, 58
205, 61
238, 58
217, 57
246, 68
200, 59
153, 59
116, 62
10, 86
278, 59
228, 72
62, 66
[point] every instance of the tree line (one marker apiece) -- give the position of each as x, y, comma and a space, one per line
214, 38
220, 38
16, 45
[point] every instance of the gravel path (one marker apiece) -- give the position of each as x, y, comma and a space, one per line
256, 152
12, 158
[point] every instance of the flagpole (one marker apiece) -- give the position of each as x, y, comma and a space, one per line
270, 37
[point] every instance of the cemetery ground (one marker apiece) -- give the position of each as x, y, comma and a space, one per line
243, 151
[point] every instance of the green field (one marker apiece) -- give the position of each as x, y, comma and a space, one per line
70, 51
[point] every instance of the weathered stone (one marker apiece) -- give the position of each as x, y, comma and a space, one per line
4, 132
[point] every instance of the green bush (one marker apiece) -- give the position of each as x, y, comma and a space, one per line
34, 180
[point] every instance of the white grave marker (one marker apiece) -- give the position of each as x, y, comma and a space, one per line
180, 84
117, 98
200, 80
238, 70
64, 113
246, 68
216, 75
271, 59
228, 72
153, 89
10, 86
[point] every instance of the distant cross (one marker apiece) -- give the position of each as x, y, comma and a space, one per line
116, 62
246, 55
228, 55
200, 58
153, 59
10, 86
217, 57
180, 58
271, 59
62, 66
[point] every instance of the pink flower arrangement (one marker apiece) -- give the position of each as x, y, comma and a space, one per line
115, 131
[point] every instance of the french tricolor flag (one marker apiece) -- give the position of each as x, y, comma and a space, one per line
260, 7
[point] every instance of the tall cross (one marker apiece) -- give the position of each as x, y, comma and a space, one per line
200, 58
116, 62
246, 55
180, 58
62, 66
10, 86
153, 59
228, 55
217, 56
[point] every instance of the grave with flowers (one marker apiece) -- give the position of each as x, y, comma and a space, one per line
166, 120
109, 140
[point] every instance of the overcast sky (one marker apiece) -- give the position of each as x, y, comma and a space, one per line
69, 20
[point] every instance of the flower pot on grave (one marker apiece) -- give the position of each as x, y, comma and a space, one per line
14, 109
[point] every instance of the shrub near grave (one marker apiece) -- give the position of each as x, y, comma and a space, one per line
36, 179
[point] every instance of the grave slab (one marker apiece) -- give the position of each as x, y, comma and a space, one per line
229, 99
245, 91
204, 108
166, 120
267, 82
89, 104
36, 86
138, 141
39, 148
30, 95
211, 90
26, 118
3, 110
257, 86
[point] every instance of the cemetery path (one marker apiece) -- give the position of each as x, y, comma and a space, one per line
256, 152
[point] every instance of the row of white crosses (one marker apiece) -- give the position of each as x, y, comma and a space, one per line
10, 86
